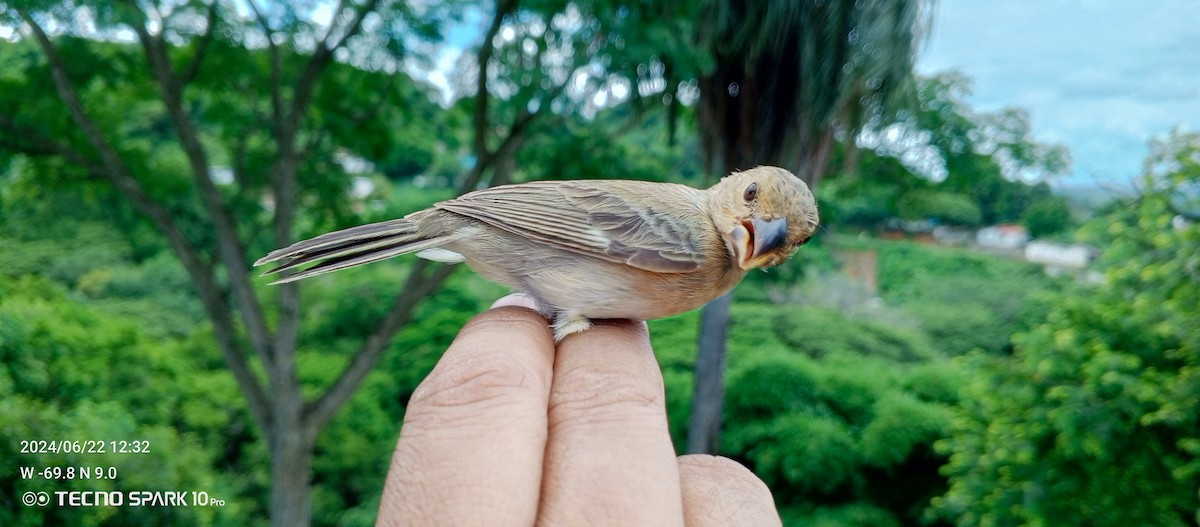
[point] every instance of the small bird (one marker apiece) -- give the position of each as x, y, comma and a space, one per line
591, 249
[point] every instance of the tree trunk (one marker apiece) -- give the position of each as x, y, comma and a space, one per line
814, 158
291, 461
291, 443
849, 168
708, 397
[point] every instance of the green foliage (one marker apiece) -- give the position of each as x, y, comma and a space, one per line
73, 372
946, 207
388, 120
838, 415
92, 257
815, 257
855, 205
1095, 417
1046, 216
854, 515
982, 151
986, 157
590, 150
867, 198
820, 332
963, 300
835, 416
674, 341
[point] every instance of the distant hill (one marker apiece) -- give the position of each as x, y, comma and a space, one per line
1091, 195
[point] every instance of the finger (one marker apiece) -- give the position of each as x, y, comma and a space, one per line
470, 450
609, 459
718, 491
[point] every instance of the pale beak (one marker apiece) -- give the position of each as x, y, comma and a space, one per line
755, 241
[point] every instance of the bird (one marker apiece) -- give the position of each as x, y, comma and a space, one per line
590, 249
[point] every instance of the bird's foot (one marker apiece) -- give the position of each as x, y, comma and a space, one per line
568, 323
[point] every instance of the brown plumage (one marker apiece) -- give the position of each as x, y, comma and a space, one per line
591, 249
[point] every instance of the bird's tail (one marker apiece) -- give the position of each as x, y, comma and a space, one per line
351, 247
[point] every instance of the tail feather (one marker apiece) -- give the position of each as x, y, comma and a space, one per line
349, 248
392, 228
374, 253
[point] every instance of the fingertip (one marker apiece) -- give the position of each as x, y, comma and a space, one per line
472, 445
607, 402
611, 361
504, 324
516, 300
720, 491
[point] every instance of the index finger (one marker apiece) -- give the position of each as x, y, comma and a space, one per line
609, 459
470, 450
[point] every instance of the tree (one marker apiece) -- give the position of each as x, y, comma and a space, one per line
1046, 216
277, 92
851, 201
1095, 417
545, 62
946, 207
989, 157
786, 80
196, 63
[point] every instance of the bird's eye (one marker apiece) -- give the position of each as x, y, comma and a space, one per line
751, 192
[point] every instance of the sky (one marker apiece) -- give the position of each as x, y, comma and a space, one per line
1099, 76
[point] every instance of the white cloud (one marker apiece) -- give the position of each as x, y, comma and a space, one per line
1101, 76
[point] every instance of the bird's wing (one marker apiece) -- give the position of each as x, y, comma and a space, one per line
651, 226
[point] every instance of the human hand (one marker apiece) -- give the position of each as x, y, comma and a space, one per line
508, 431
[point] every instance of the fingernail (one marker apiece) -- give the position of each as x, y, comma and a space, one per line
516, 300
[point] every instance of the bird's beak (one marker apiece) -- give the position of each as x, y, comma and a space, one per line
755, 241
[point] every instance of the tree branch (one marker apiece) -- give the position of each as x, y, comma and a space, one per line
201, 53
229, 244
320, 59
421, 283
276, 70
418, 285
32, 142
284, 170
116, 171
484, 159
484, 57
333, 22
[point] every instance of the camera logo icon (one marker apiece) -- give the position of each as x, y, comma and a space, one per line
41, 499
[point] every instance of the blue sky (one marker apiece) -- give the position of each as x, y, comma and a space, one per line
1099, 76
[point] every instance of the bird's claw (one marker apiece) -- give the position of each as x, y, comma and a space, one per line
568, 323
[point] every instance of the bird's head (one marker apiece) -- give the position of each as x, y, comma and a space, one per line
764, 214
